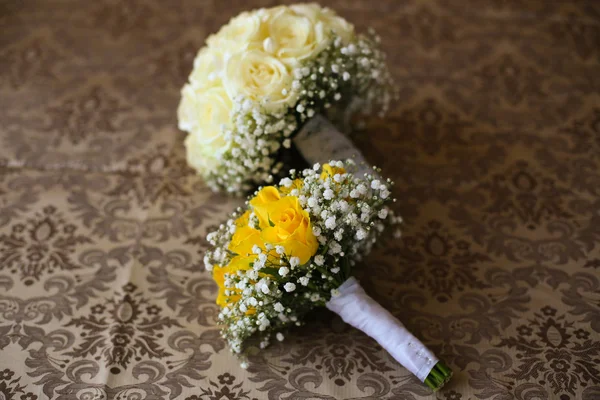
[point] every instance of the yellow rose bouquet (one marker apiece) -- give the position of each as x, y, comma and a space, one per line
262, 77
295, 247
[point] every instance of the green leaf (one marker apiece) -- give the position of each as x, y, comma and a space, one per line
270, 222
346, 267
270, 271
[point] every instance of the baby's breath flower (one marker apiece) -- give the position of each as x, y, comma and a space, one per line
330, 223
361, 234
339, 234
207, 264
289, 287
335, 248
286, 182
303, 280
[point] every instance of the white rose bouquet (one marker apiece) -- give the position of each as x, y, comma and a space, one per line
296, 247
261, 77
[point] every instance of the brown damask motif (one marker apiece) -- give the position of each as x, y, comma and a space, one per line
550, 338
133, 327
339, 360
530, 217
439, 262
187, 291
44, 242
10, 388
494, 148
32, 62
225, 388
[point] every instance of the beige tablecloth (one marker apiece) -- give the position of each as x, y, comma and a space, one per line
494, 146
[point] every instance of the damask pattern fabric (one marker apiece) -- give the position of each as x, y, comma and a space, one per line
494, 146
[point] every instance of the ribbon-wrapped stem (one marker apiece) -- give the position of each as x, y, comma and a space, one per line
320, 141
358, 309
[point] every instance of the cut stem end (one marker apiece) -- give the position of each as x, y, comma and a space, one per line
439, 376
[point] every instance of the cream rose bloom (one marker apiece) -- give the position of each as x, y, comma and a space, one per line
244, 32
259, 77
310, 10
332, 21
295, 34
209, 65
337, 24
205, 114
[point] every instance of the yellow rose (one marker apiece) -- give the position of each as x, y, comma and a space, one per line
243, 219
205, 113
296, 184
245, 237
259, 77
209, 65
296, 33
265, 195
236, 264
289, 226
246, 31
330, 172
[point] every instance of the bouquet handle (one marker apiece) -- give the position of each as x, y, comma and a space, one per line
358, 309
320, 141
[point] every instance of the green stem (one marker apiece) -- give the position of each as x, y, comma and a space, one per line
439, 376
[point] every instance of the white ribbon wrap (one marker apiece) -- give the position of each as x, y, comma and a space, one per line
362, 312
320, 141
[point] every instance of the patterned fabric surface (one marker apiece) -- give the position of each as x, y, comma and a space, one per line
494, 147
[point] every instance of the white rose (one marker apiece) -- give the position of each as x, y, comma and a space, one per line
209, 65
246, 31
205, 115
197, 156
259, 77
186, 112
310, 10
337, 24
294, 35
